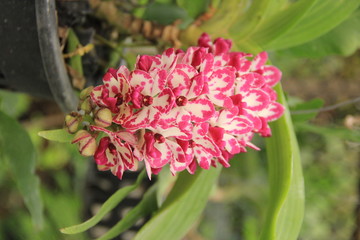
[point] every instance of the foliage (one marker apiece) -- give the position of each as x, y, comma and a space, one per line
286, 205
105, 208
58, 135
188, 189
21, 159
304, 28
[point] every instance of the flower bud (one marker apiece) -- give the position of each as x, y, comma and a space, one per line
103, 117
86, 105
86, 92
72, 122
86, 143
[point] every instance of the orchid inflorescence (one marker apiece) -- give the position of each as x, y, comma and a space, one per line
183, 108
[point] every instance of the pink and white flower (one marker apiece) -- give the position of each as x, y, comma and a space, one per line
160, 148
115, 152
114, 94
225, 126
150, 98
189, 106
201, 149
184, 109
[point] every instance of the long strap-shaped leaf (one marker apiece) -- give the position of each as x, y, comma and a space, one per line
182, 208
112, 202
278, 24
147, 205
286, 207
247, 23
324, 16
58, 135
225, 15
17, 148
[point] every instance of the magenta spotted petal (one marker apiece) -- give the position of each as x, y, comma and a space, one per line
115, 91
114, 151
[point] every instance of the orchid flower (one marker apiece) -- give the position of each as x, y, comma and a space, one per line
184, 109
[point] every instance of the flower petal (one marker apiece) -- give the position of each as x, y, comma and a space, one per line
238, 125
123, 72
256, 99
189, 70
203, 158
272, 75
196, 86
200, 110
96, 95
239, 61
147, 63
111, 83
100, 154
164, 101
159, 76
222, 80
207, 64
125, 111
127, 137
179, 78
118, 170
126, 156
138, 120
259, 61
179, 161
272, 112
164, 157
207, 145
168, 59
231, 144
142, 79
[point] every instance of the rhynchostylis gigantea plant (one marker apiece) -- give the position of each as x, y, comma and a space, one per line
189, 108
185, 109
192, 119
253, 26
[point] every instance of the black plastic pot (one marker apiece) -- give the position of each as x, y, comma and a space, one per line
31, 61
30, 57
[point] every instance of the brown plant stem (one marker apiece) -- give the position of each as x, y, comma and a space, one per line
128, 24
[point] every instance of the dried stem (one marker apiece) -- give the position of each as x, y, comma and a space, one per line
128, 24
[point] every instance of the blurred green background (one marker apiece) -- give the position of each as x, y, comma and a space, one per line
330, 160
329, 138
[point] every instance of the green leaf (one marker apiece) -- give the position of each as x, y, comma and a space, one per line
164, 14
336, 131
240, 18
147, 205
226, 13
215, 3
164, 181
58, 135
247, 23
183, 206
343, 40
13, 104
17, 148
63, 207
108, 205
276, 6
164, 1
296, 111
286, 207
280, 23
324, 16
75, 61
193, 8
